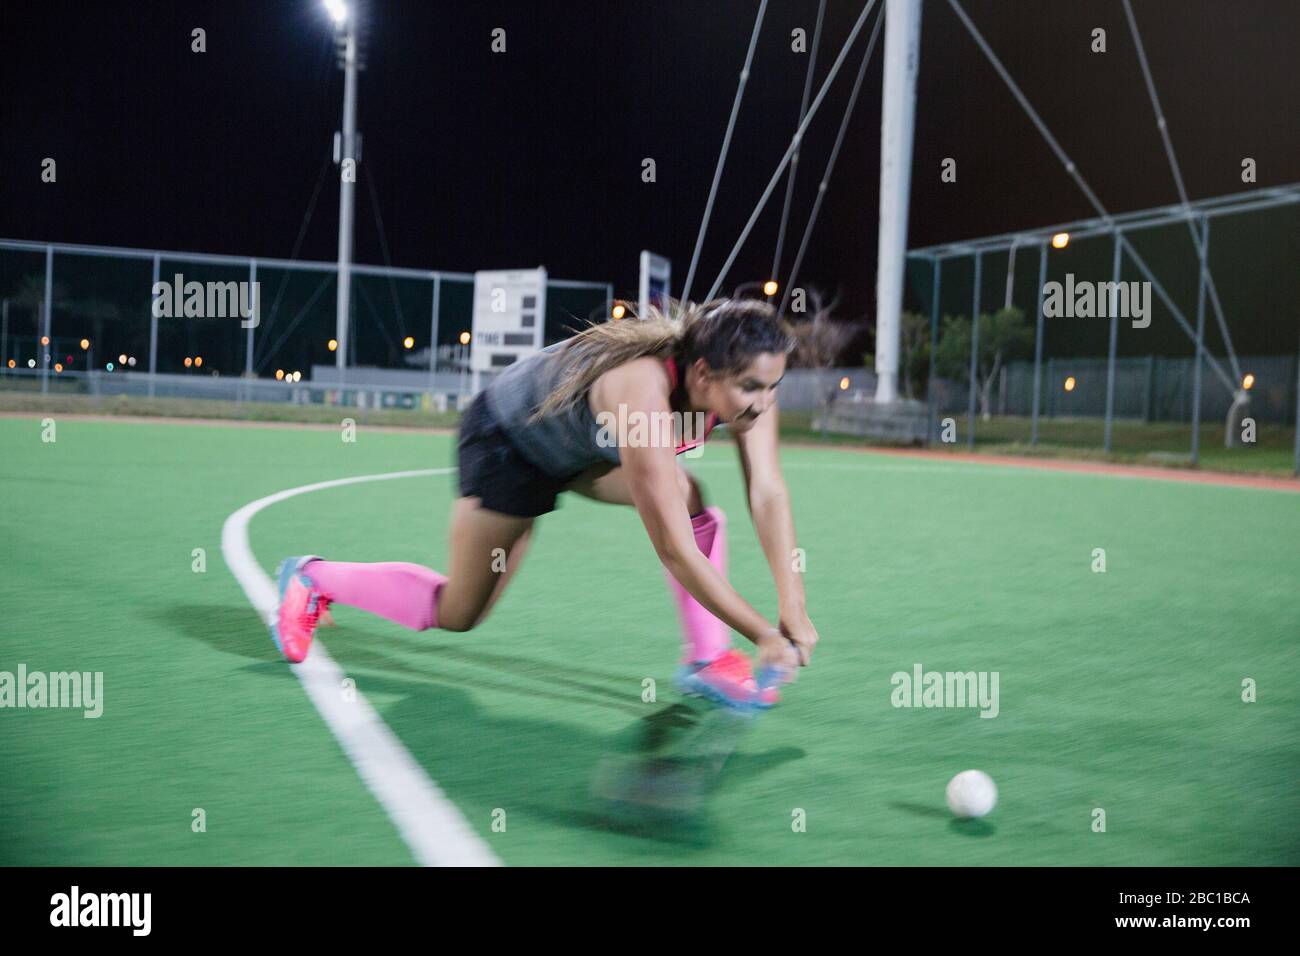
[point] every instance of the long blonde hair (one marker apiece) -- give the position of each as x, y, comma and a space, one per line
726, 333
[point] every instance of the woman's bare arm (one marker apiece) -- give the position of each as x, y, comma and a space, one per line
769, 507
651, 470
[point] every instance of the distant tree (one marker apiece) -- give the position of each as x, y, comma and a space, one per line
820, 340
1004, 335
914, 353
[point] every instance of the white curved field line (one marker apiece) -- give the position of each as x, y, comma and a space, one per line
428, 821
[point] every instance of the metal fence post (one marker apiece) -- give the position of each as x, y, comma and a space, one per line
1296, 466
1200, 345
49, 309
1114, 336
255, 297
433, 331
1038, 341
1146, 393
1051, 392
153, 326
974, 353
934, 341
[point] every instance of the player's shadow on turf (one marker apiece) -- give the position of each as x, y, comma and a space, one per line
529, 666
523, 765
231, 630
544, 681
238, 631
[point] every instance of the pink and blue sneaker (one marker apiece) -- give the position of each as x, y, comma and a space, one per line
302, 608
728, 680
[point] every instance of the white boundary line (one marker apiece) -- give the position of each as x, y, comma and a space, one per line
427, 820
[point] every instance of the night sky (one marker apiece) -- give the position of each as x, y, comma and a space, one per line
482, 160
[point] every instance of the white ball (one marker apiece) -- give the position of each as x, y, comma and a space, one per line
971, 794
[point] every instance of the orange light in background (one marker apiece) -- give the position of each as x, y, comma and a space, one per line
45, 340
198, 361
279, 374
1060, 240
188, 361
844, 384
1069, 384
12, 363
333, 345
58, 366
619, 311
121, 359
1248, 382
408, 342
464, 338
85, 344
770, 287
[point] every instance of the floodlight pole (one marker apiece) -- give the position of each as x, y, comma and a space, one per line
898, 109
347, 150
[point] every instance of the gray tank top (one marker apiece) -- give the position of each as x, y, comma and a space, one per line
565, 444
562, 445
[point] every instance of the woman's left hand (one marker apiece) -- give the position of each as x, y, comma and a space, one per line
799, 630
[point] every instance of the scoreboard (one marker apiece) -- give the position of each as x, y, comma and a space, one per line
509, 318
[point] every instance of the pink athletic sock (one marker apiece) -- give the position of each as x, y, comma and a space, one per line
402, 592
704, 636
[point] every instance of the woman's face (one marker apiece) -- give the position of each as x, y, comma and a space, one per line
739, 398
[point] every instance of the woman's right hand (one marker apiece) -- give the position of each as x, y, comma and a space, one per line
775, 651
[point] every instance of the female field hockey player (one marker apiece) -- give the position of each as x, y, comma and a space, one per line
605, 414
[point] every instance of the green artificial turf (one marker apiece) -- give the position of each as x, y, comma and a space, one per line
1119, 691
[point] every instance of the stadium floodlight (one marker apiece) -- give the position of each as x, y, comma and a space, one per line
338, 11
1060, 240
619, 311
770, 287
1248, 382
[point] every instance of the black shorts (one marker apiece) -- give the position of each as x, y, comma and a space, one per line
491, 468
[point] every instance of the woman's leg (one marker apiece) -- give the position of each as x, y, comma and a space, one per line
485, 552
609, 484
487, 548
